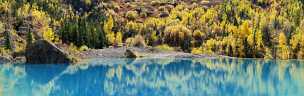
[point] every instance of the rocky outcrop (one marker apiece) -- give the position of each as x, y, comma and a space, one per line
44, 52
130, 54
4, 59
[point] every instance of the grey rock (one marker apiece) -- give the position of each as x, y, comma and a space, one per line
130, 54
164, 14
5, 59
44, 52
19, 60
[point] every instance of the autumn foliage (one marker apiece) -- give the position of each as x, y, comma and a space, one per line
238, 28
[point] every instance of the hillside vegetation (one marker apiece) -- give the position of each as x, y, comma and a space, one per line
237, 28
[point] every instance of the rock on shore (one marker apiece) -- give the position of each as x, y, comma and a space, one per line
4, 59
44, 52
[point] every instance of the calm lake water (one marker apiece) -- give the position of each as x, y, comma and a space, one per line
156, 77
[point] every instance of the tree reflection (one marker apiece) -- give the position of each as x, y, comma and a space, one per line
155, 76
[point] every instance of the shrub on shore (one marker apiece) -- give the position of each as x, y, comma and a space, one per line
178, 36
164, 47
197, 51
131, 15
137, 41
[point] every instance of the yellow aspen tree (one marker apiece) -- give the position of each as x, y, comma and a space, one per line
245, 29
283, 49
118, 38
268, 54
49, 35
297, 42
109, 24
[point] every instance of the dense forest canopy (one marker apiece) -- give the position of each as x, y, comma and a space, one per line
238, 28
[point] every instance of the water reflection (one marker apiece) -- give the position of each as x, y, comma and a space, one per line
166, 77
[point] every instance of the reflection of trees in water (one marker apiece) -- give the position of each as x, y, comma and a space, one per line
28, 80
156, 76
209, 77
10, 79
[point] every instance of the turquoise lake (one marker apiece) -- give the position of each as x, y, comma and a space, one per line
156, 77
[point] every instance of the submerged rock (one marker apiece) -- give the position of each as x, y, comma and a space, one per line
44, 52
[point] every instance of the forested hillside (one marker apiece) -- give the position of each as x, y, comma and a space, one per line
237, 28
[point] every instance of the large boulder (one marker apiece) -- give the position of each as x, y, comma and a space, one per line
44, 52
130, 54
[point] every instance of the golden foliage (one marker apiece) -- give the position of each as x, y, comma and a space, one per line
72, 49
1, 27
23, 11
134, 28
83, 48
42, 19
107, 27
164, 47
238, 28
209, 17
5, 6
176, 35
209, 46
50, 35
283, 50
245, 30
198, 34
198, 38
111, 38
297, 42
109, 24
131, 15
4, 51
118, 38
129, 42
268, 54
197, 51
300, 54
137, 41
87, 2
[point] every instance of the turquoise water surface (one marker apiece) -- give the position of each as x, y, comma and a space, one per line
155, 77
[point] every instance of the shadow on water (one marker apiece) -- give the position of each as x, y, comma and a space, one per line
42, 74
152, 76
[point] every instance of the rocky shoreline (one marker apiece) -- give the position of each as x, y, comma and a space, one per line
4, 59
139, 52
120, 52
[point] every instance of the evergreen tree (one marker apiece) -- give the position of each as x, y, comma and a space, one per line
8, 41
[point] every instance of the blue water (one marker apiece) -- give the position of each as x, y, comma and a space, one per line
155, 77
